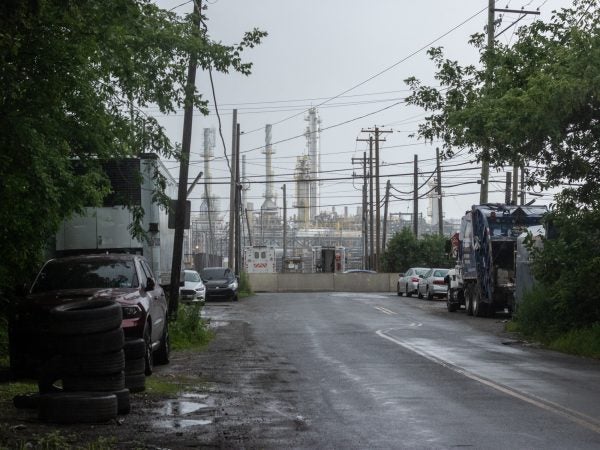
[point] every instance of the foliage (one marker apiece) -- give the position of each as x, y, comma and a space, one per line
404, 250
55, 440
568, 266
533, 103
76, 76
189, 330
245, 289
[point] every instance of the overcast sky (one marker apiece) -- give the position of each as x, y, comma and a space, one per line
328, 54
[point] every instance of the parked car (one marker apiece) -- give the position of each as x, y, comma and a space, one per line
409, 280
125, 278
193, 289
221, 283
432, 284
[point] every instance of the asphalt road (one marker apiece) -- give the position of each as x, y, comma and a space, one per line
381, 371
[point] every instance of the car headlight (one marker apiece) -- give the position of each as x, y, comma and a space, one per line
131, 312
232, 285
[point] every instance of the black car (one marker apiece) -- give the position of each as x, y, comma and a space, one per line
221, 283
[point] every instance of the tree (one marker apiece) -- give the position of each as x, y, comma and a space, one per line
76, 76
535, 103
404, 251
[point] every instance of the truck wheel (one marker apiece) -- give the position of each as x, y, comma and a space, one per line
408, 293
469, 300
479, 308
452, 307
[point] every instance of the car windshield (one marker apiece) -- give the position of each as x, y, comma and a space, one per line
85, 275
192, 276
440, 273
215, 274
421, 271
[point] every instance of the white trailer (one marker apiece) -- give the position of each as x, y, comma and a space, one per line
106, 228
260, 259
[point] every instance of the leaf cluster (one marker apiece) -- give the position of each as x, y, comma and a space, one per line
75, 78
404, 251
534, 103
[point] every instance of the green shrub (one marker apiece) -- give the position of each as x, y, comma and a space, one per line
189, 330
245, 289
582, 342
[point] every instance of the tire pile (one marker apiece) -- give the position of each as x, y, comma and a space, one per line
95, 364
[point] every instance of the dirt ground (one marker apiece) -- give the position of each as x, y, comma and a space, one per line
233, 394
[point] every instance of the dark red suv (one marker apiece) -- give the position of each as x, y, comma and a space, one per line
124, 278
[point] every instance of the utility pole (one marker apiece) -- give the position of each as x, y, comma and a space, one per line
284, 228
248, 226
376, 131
181, 205
485, 160
515, 184
522, 185
385, 212
416, 199
439, 193
232, 194
238, 201
365, 239
508, 188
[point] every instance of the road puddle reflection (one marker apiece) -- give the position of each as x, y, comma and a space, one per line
179, 413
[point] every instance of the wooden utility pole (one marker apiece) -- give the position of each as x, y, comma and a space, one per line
232, 194
439, 193
238, 204
416, 198
385, 213
181, 205
376, 131
284, 229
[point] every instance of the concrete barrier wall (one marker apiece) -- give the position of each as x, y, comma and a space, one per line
323, 282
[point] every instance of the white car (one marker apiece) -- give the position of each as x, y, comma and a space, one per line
193, 289
432, 284
409, 280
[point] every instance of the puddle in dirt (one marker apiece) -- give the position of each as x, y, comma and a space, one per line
188, 404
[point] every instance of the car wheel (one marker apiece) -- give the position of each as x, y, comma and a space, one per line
163, 352
78, 407
85, 317
429, 294
419, 295
135, 382
235, 297
408, 293
398, 290
148, 353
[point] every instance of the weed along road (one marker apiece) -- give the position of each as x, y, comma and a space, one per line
352, 370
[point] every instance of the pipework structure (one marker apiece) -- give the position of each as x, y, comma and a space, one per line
313, 143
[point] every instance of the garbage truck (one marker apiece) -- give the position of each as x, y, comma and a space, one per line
484, 277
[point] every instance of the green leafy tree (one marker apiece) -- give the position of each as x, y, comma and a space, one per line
76, 77
404, 251
534, 103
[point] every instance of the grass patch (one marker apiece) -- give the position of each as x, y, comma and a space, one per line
170, 385
9, 390
583, 342
245, 289
54, 440
189, 331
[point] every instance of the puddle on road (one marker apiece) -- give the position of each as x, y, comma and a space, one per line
188, 404
217, 323
181, 423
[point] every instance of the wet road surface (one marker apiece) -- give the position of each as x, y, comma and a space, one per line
352, 370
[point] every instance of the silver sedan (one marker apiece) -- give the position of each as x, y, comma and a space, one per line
431, 284
408, 281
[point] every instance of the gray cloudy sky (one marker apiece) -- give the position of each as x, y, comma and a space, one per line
320, 49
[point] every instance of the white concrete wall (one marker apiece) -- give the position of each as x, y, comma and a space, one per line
323, 282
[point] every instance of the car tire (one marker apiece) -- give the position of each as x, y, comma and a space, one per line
398, 290
162, 354
408, 293
429, 294
148, 352
123, 401
85, 317
135, 366
419, 295
77, 407
105, 342
27, 401
100, 383
134, 349
93, 364
135, 382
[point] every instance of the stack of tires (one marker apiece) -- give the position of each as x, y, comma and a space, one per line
89, 361
135, 365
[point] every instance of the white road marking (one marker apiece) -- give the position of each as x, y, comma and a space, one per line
416, 324
577, 417
385, 310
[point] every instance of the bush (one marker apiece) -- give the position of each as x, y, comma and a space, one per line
404, 250
189, 330
245, 289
